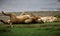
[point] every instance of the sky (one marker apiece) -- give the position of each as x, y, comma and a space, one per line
29, 5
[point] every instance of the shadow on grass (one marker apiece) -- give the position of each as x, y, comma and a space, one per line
5, 29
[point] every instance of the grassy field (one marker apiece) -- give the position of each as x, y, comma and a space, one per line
29, 32
46, 29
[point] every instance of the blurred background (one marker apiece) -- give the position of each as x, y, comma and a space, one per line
29, 5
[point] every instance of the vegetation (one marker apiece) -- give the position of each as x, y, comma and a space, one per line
31, 32
46, 29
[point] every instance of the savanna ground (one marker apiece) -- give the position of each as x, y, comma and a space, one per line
38, 29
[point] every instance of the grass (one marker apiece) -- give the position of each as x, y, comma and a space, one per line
46, 29
30, 32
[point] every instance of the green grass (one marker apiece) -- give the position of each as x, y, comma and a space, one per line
46, 29
30, 32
